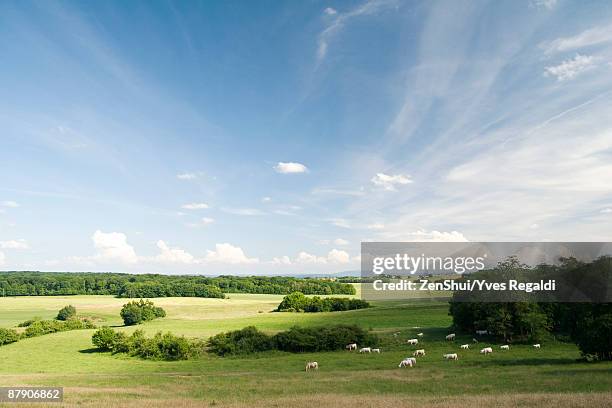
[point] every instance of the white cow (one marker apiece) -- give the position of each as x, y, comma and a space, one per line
312, 365
420, 334
352, 346
465, 346
365, 350
486, 350
474, 340
419, 352
413, 342
376, 350
505, 347
406, 363
450, 336
536, 345
481, 332
451, 356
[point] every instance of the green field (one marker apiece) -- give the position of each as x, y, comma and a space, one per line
522, 376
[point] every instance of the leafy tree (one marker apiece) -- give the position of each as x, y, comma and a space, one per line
136, 312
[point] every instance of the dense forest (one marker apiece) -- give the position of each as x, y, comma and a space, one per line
153, 285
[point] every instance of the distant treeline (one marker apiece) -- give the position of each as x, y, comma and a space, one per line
153, 285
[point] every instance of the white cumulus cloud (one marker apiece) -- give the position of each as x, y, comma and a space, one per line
113, 246
389, 182
173, 255
338, 256
290, 168
227, 253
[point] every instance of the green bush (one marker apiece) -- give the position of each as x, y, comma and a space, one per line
8, 336
104, 338
162, 346
295, 340
298, 302
247, 340
67, 312
327, 338
136, 312
42, 327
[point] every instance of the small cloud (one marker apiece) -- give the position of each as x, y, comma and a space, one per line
9, 204
290, 168
534, 226
571, 68
14, 244
340, 241
546, 4
330, 11
187, 176
242, 211
203, 222
283, 260
425, 236
306, 258
335, 256
229, 254
338, 256
340, 222
389, 182
266, 199
195, 206
376, 226
606, 211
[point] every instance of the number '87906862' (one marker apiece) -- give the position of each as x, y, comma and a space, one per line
31, 394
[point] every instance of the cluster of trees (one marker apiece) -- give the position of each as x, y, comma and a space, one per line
136, 312
295, 340
589, 325
154, 285
298, 302
162, 346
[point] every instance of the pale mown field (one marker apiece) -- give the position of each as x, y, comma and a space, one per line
522, 377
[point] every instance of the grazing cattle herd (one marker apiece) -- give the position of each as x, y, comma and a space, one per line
411, 361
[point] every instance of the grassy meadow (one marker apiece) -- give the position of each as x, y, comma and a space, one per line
522, 376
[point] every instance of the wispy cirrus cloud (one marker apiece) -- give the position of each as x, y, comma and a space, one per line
590, 37
368, 8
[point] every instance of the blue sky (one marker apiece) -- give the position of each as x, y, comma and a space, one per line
274, 137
